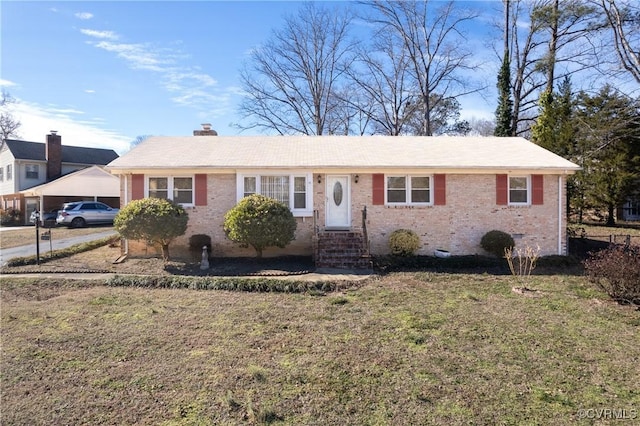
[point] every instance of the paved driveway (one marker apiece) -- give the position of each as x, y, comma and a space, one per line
45, 246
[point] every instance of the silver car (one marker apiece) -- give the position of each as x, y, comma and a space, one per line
83, 213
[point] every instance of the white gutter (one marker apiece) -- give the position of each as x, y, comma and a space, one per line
560, 215
126, 198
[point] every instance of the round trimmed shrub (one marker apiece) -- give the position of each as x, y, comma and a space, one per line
156, 220
260, 222
404, 242
496, 242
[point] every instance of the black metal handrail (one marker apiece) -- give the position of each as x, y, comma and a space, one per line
365, 235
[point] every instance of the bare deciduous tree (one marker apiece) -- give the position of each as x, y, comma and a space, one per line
290, 83
623, 19
9, 125
481, 126
432, 36
138, 140
380, 73
557, 35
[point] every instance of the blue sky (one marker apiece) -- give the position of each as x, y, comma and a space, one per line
102, 73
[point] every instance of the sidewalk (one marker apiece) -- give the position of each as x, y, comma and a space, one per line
317, 276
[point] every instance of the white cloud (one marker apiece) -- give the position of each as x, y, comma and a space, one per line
89, 91
187, 84
109, 35
7, 83
138, 56
84, 15
37, 121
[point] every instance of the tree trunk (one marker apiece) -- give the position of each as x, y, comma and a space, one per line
507, 12
611, 219
553, 43
165, 251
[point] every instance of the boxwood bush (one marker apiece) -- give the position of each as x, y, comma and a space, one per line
496, 242
404, 242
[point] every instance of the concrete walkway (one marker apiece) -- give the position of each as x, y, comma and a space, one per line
318, 276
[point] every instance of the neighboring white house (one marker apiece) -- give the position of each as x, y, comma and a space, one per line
449, 190
25, 165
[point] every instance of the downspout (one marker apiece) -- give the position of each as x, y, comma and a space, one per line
560, 215
126, 197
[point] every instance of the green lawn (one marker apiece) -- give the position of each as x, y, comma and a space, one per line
403, 349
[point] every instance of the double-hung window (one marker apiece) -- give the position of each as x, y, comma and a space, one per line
9, 172
32, 171
176, 188
293, 190
519, 190
410, 190
1, 174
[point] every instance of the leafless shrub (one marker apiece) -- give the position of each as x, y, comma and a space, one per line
616, 271
522, 261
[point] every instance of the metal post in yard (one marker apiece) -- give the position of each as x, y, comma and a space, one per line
37, 216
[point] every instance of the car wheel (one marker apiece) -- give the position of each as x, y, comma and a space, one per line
77, 222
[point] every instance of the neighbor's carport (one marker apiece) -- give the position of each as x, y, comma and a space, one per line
90, 184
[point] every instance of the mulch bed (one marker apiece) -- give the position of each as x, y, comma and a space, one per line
245, 266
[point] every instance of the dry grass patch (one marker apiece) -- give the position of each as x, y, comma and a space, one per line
408, 348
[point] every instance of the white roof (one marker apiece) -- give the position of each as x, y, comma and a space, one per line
92, 181
357, 153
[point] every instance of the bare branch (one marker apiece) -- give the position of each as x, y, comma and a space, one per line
290, 82
9, 125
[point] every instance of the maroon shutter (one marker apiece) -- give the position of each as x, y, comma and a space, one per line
537, 189
137, 187
440, 189
201, 190
378, 189
502, 189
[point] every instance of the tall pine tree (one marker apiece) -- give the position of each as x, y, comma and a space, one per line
609, 152
554, 129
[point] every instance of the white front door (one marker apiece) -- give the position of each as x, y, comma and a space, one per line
338, 212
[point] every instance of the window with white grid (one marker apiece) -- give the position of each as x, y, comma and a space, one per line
290, 189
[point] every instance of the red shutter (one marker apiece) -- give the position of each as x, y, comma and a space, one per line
502, 189
537, 189
440, 190
378, 189
201, 190
137, 187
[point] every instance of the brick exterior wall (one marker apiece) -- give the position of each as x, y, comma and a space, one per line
470, 211
209, 220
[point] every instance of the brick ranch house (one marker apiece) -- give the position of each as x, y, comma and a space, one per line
355, 190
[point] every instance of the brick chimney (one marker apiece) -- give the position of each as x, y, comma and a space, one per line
53, 155
206, 131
